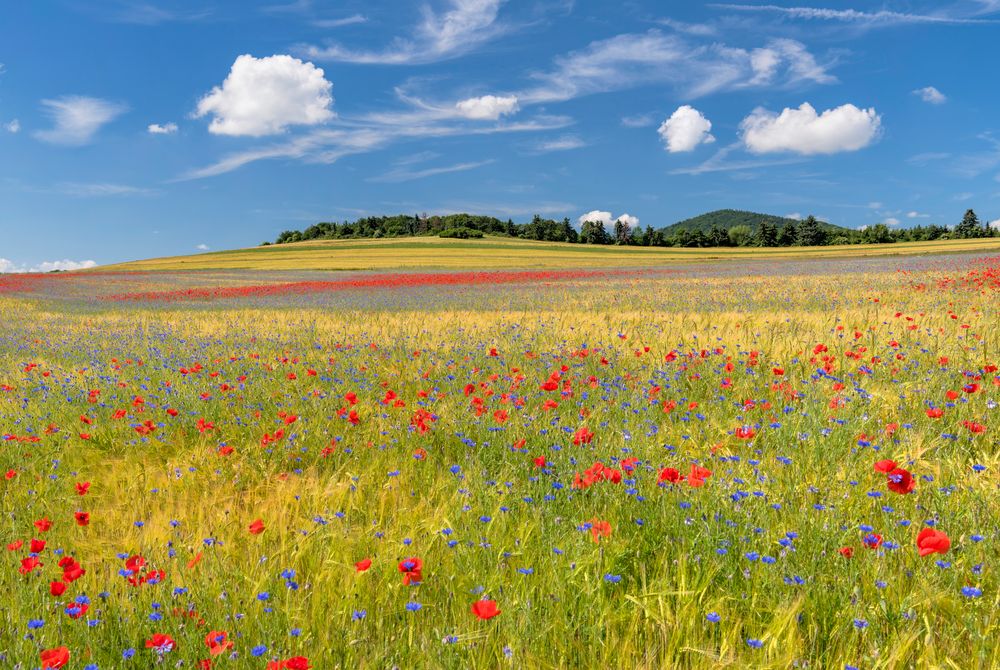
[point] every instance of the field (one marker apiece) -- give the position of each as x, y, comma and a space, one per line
502, 253
768, 464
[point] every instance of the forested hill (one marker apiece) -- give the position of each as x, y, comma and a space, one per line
727, 219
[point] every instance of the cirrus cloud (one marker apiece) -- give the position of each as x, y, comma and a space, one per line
263, 96
76, 119
804, 131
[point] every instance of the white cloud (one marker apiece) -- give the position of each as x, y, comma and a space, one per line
931, 95
263, 96
883, 17
891, 221
97, 190
487, 107
629, 220
803, 131
917, 215
596, 215
202, 247
629, 60
13, 126
564, 143
794, 215
400, 174
339, 23
639, 120
607, 219
165, 129
685, 130
466, 25
8, 266
995, 225
76, 119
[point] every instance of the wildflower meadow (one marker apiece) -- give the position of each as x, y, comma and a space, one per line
752, 464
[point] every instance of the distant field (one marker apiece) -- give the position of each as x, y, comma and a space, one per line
498, 252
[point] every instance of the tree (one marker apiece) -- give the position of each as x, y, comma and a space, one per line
568, 231
810, 234
740, 236
877, 234
788, 235
767, 235
969, 227
623, 233
594, 232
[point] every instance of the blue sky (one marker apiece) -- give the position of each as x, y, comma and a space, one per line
134, 128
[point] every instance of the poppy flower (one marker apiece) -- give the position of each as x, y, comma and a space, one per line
161, 643
82, 488
931, 541
846, 552
363, 565
43, 525
698, 475
37, 546
485, 609
599, 529
82, 518
885, 466
872, 540
412, 570
57, 588
670, 475
217, 643
256, 527
54, 658
900, 481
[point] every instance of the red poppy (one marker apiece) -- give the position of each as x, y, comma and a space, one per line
846, 552
54, 658
931, 541
43, 524
885, 466
82, 488
161, 643
698, 475
872, 540
599, 529
670, 475
485, 609
363, 565
57, 589
37, 546
217, 643
82, 518
257, 527
412, 570
900, 481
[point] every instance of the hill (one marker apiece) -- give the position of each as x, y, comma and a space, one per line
727, 219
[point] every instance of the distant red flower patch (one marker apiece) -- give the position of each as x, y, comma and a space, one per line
384, 281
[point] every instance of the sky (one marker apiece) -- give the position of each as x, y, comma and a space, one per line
140, 128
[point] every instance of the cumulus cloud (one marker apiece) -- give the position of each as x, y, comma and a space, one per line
803, 131
931, 95
629, 220
202, 247
600, 216
596, 215
8, 266
891, 221
76, 119
487, 107
263, 96
685, 129
13, 126
165, 129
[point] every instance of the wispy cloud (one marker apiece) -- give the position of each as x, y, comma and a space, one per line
877, 18
720, 162
400, 174
931, 95
352, 20
563, 143
101, 190
147, 13
76, 119
439, 36
329, 145
629, 60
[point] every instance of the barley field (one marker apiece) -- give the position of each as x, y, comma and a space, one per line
765, 464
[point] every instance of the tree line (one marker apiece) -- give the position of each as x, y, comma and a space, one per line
807, 232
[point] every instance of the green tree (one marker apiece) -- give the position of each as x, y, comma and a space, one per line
767, 235
740, 236
810, 233
788, 235
969, 227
